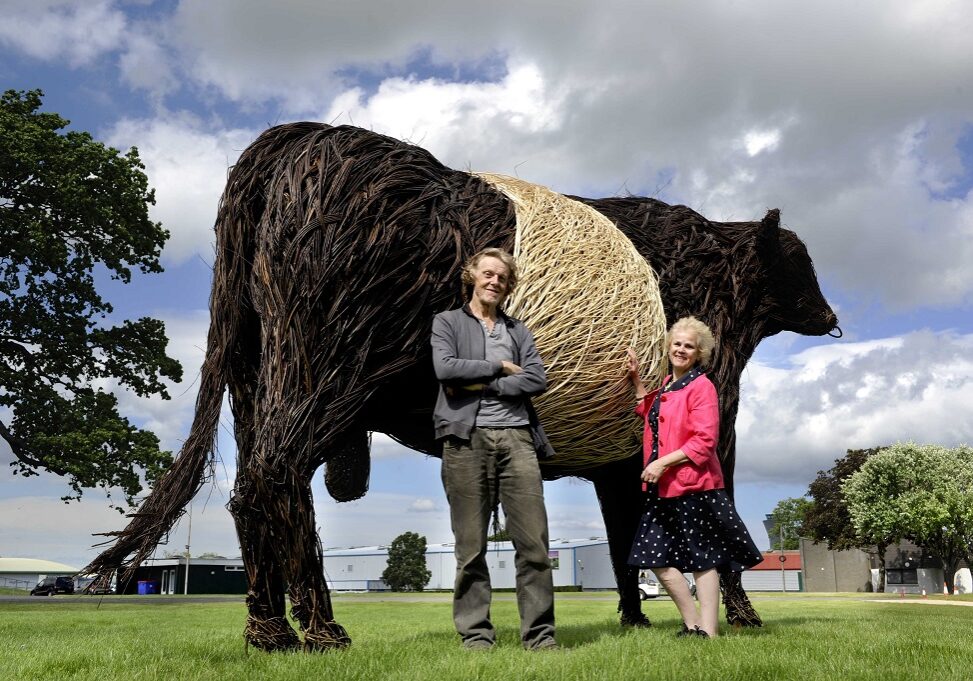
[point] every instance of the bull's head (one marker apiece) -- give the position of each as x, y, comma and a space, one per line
793, 301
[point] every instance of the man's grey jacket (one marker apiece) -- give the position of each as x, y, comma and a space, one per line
459, 359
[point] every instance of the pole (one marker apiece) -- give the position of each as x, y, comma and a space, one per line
189, 536
783, 575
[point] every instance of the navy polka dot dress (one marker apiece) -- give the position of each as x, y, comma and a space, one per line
694, 532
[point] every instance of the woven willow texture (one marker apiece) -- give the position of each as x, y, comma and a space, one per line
586, 294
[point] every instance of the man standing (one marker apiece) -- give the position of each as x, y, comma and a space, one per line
488, 368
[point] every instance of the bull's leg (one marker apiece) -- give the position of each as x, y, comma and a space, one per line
267, 626
304, 564
739, 611
619, 493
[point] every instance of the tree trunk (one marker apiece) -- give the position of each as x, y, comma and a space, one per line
880, 552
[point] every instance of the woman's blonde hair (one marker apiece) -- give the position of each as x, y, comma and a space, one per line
704, 337
475, 259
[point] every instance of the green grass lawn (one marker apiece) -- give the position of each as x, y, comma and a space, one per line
808, 636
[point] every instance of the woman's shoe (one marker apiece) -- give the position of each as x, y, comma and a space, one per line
696, 631
685, 631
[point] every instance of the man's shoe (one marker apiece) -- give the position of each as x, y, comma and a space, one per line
696, 631
478, 644
685, 631
546, 644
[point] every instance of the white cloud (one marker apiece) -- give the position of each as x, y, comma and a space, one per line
423, 505
61, 29
797, 420
377, 519
170, 419
684, 101
760, 141
35, 525
146, 65
464, 124
384, 447
187, 163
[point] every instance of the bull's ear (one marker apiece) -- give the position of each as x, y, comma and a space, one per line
768, 234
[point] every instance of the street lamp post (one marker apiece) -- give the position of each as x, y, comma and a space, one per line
189, 536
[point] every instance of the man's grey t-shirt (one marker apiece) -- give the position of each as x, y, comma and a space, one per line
495, 412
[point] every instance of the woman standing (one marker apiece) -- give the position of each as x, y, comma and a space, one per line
689, 523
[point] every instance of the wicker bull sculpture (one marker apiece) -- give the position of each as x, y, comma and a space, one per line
336, 246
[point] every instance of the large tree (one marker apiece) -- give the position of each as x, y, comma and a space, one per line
406, 569
70, 209
788, 516
919, 492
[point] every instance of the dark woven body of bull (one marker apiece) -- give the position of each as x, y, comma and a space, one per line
335, 248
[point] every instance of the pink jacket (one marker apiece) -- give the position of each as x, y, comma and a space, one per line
689, 419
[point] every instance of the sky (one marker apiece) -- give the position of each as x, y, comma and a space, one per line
855, 119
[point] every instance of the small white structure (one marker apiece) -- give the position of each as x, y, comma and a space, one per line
25, 573
962, 581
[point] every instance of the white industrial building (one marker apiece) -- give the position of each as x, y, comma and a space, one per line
576, 562
25, 573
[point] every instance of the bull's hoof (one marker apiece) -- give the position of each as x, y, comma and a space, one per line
741, 614
330, 636
271, 634
751, 622
635, 621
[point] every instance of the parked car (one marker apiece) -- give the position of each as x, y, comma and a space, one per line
648, 588
53, 585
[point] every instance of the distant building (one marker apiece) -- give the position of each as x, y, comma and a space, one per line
206, 576
580, 563
908, 569
25, 573
774, 574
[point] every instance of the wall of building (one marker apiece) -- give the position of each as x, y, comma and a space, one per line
771, 580
826, 570
594, 566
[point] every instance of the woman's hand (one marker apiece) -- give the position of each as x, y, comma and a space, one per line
632, 370
653, 472
632, 364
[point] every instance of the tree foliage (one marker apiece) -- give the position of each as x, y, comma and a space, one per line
500, 534
789, 516
920, 492
406, 569
71, 207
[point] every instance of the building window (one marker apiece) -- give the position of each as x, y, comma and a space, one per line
233, 568
501, 564
351, 568
901, 577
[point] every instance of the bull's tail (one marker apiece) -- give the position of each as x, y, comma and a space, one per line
176, 488
239, 213
172, 493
